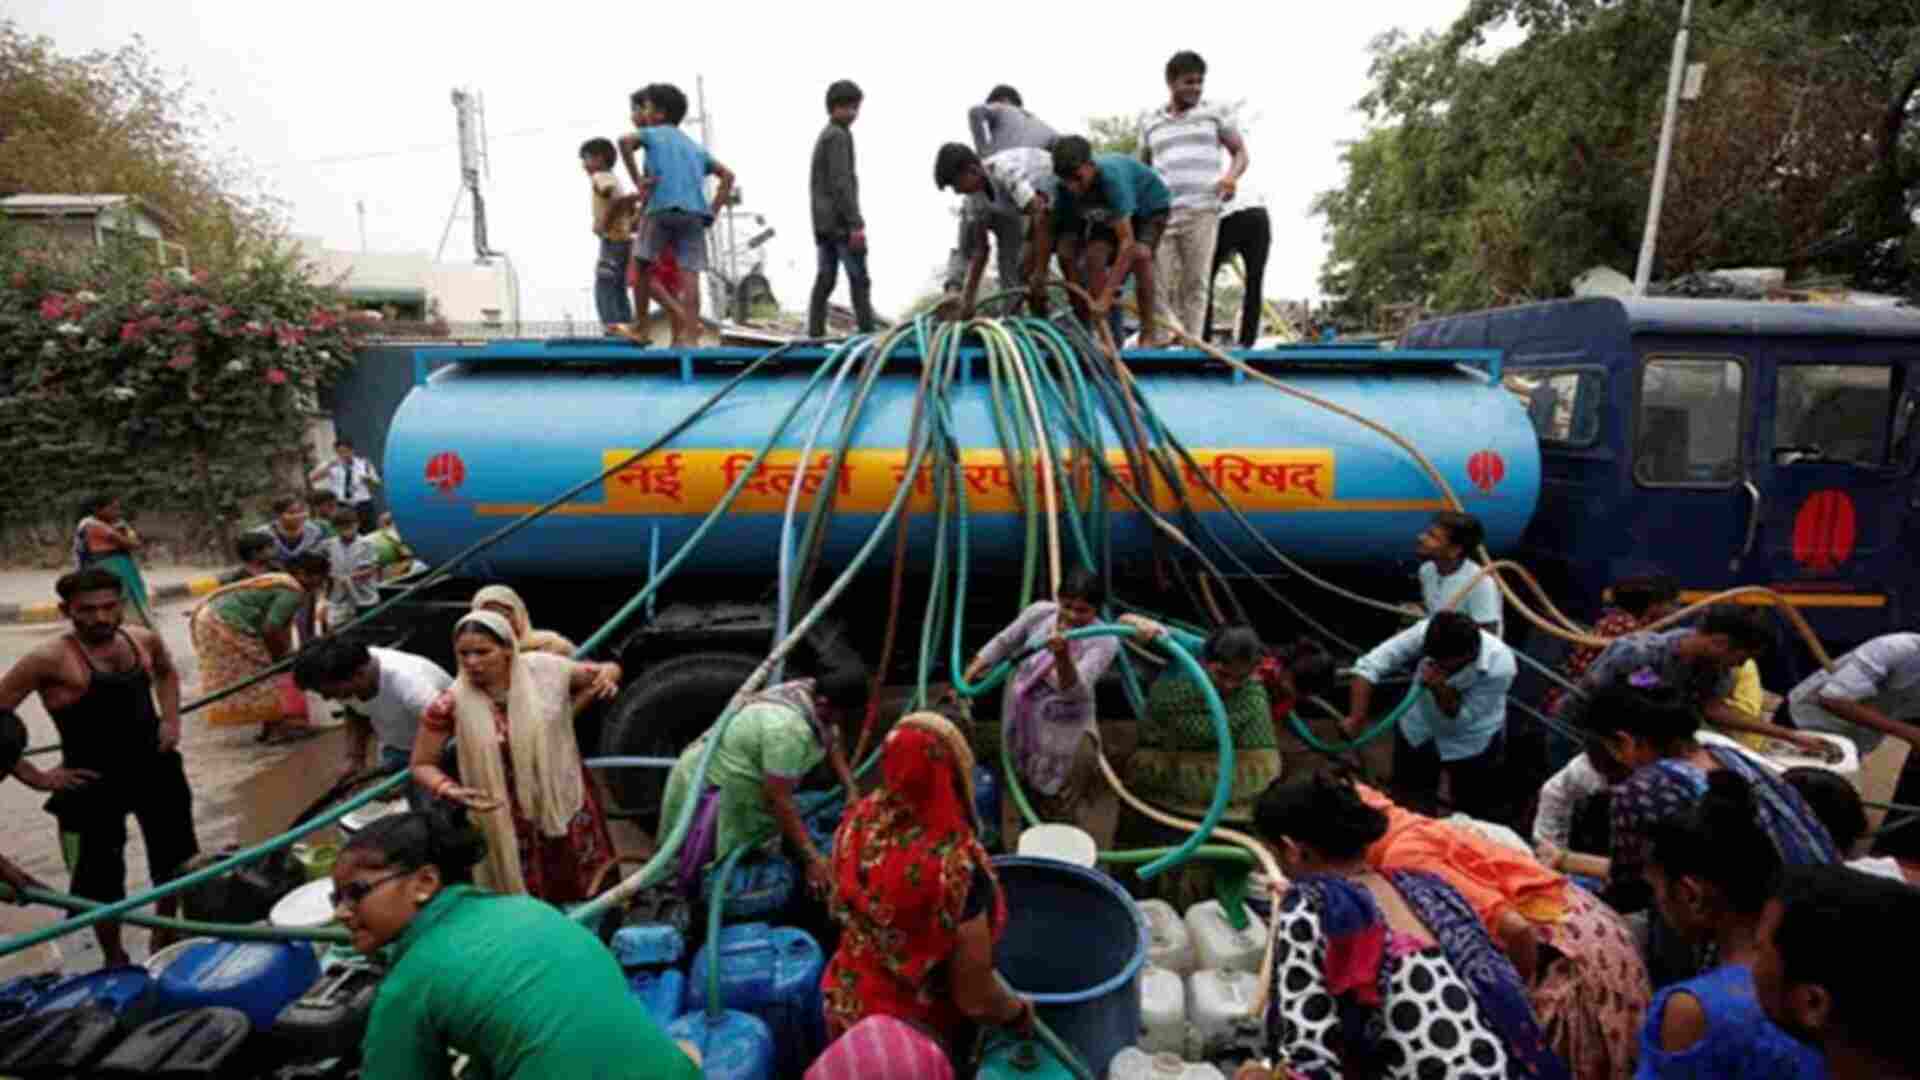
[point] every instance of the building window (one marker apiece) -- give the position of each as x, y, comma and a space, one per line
1563, 405
1690, 416
1832, 413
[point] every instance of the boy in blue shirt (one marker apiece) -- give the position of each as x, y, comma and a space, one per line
1116, 208
677, 212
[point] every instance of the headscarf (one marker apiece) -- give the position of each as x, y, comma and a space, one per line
903, 863
548, 784
524, 635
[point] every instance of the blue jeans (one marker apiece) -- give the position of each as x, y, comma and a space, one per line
832, 252
394, 759
610, 283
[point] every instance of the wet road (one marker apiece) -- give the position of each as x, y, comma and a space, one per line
242, 792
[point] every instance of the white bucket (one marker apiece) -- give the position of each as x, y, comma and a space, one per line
1216, 944
1169, 945
308, 907
1135, 1064
1063, 843
1218, 1003
1163, 1011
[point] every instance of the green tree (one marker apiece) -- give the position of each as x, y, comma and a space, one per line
115, 123
1486, 180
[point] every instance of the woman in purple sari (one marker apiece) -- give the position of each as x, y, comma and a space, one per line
1046, 709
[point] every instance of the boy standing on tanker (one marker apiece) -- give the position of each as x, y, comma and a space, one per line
613, 212
677, 210
1117, 208
1447, 571
119, 753
839, 232
1019, 182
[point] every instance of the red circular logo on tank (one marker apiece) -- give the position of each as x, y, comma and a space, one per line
1486, 469
1824, 531
445, 471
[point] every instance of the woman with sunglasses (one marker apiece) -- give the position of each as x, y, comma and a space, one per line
509, 981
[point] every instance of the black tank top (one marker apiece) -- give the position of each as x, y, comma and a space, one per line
113, 728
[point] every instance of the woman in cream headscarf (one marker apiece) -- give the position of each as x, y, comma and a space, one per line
520, 768
505, 602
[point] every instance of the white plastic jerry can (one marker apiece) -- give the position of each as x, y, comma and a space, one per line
1169, 945
1163, 1011
1135, 1064
1216, 944
1219, 1004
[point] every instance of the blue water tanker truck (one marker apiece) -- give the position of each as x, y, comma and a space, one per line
489, 432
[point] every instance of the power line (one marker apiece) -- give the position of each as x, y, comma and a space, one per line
422, 148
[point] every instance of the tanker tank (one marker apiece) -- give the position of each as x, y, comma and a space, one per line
504, 427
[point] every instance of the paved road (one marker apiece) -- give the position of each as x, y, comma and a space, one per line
242, 792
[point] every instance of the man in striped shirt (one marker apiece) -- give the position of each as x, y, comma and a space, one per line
1183, 142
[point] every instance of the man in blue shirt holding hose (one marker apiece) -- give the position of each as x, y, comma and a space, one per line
1449, 745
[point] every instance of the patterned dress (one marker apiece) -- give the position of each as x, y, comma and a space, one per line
557, 869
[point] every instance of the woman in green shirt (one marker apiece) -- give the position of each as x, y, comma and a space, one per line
247, 627
778, 737
1177, 763
516, 986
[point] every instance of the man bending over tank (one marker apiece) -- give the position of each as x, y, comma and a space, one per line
119, 753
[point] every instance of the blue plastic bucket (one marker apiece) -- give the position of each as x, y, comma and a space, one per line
1075, 944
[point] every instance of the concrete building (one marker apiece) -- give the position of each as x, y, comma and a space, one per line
415, 287
90, 222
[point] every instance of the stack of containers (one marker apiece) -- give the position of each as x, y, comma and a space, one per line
773, 973
1222, 989
649, 955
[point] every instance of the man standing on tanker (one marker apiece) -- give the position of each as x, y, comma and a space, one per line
119, 753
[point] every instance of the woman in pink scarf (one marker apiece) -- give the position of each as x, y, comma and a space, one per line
1046, 709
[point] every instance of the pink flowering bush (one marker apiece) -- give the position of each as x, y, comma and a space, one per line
173, 389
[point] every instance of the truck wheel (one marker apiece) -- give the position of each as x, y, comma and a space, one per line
658, 715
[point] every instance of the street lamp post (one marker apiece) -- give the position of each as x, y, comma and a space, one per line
1650, 237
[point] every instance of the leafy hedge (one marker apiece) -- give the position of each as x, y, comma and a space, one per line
176, 391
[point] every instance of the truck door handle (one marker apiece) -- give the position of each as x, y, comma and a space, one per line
1753, 523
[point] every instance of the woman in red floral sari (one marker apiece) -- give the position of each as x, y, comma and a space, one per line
917, 898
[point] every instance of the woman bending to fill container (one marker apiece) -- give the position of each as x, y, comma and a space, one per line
1382, 974
1579, 959
1047, 709
520, 767
504, 602
522, 990
247, 627
916, 896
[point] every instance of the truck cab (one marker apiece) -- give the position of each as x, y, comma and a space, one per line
1726, 443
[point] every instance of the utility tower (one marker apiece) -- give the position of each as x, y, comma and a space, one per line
470, 118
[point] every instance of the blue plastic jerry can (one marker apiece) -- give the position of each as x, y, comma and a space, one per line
652, 945
737, 1046
259, 978
774, 973
661, 992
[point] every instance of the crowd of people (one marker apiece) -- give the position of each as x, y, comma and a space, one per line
1687, 907
1169, 216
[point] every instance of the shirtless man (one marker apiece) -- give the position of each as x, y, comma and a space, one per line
119, 754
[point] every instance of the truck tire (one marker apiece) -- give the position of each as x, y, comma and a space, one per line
658, 715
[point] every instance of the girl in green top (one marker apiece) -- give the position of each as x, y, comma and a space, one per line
509, 981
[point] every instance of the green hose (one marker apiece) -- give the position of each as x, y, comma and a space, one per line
1223, 784
1380, 727
716, 905
180, 884
229, 931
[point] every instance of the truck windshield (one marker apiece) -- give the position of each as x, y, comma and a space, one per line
1832, 413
